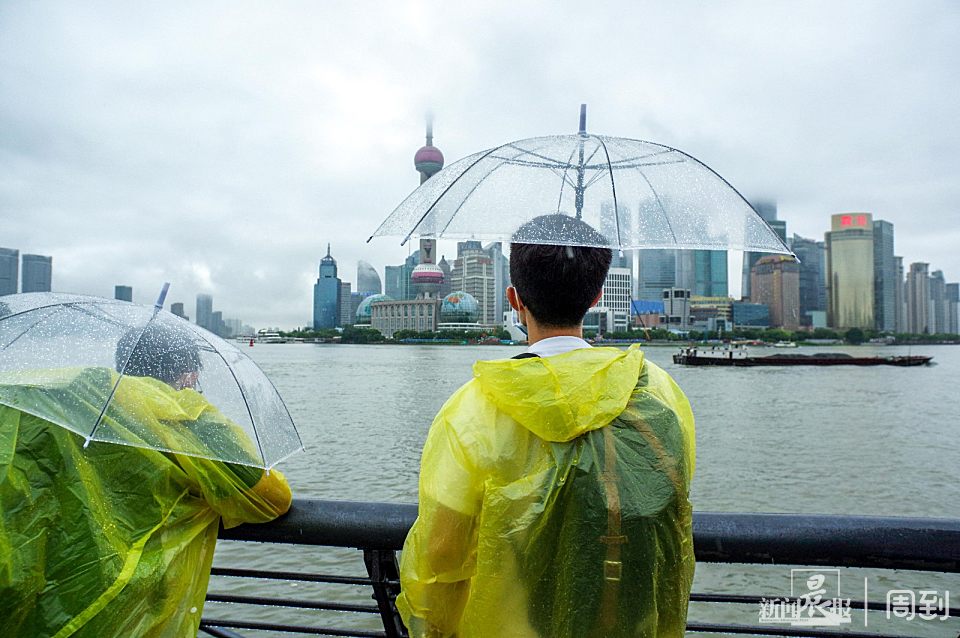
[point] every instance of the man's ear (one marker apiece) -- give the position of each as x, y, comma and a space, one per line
514, 299
597, 299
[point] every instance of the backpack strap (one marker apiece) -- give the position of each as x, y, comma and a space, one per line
612, 564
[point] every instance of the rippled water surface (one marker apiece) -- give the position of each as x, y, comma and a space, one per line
840, 440
836, 440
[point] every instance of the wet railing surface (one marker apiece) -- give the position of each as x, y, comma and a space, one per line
377, 530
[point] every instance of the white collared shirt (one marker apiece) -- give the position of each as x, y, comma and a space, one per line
556, 345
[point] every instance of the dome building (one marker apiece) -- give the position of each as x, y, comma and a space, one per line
364, 311
459, 311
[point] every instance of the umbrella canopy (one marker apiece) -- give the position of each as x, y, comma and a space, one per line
637, 194
117, 372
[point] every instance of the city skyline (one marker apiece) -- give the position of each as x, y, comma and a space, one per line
221, 151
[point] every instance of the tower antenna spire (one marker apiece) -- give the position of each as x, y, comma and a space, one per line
429, 128
328, 249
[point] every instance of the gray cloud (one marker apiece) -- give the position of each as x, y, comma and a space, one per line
222, 146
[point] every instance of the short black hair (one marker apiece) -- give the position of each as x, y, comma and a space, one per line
557, 282
160, 350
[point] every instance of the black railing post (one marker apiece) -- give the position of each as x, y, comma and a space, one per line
385, 578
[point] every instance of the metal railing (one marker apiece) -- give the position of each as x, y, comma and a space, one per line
378, 531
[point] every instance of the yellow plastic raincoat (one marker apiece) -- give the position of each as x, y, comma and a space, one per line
554, 503
114, 540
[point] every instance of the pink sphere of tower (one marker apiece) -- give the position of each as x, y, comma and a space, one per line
428, 160
427, 278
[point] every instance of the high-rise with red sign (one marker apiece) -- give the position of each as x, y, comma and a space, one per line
850, 266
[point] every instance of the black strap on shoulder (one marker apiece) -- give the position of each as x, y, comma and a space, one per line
526, 355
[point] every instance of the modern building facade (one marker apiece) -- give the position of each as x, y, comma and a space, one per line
813, 291
657, 271
326, 295
900, 296
368, 281
346, 316
397, 283
475, 272
614, 304
953, 308
938, 303
123, 293
205, 311
885, 280
9, 271
36, 273
176, 308
710, 273
711, 313
849, 246
775, 283
767, 209
446, 287
389, 317
676, 309
750, 315
918, 298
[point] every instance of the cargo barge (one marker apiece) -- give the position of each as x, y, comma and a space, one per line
738, 356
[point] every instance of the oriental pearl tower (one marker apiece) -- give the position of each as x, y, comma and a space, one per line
427, 277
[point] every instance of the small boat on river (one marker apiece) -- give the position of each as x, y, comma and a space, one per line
738, 356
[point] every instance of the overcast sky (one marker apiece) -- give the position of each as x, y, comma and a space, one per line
221, 146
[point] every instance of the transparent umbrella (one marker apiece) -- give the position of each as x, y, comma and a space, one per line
116, 372
636, 194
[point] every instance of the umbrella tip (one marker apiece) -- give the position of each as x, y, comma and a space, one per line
583, 119
162, 296
86, 442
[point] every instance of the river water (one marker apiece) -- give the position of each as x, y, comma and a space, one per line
835, 440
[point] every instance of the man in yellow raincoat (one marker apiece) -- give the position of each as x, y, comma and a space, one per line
116, 540
554, 486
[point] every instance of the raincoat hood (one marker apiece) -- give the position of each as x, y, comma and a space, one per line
559, 398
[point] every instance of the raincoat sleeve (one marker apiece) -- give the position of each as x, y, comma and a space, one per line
239, 493
439, 555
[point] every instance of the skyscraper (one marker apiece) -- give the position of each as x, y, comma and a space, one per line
36, 273
776, 284
346, 318
368, 280
446, 287
938, 302
326, 295
884, 277
767, 209
205, 311
501, 279
813, 293
657, 271
710, 273
849, 246
176, 308
918, 299
123, 293
473, 273
953, 309
900, 296
9, 270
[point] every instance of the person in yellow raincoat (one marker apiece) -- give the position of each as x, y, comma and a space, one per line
116, 540
554, 486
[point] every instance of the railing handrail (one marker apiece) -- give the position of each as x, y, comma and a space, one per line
887, 542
